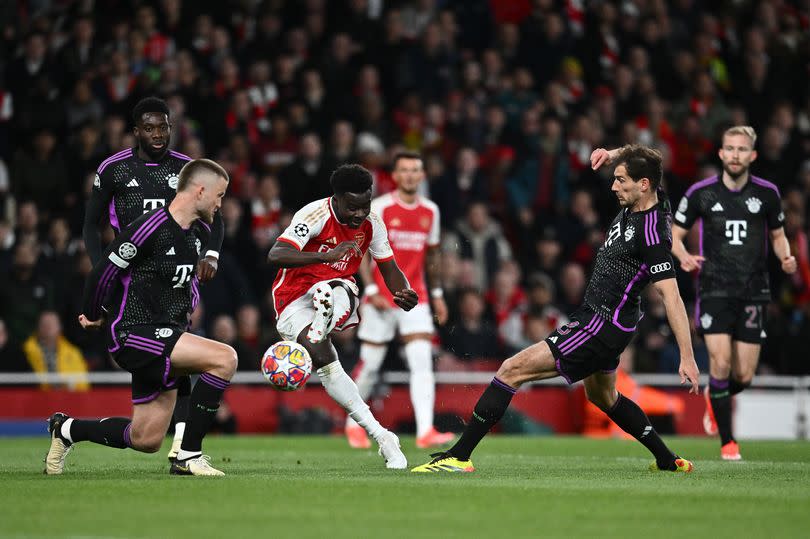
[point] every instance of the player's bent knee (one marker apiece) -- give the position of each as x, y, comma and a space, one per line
603, 400
146, 443
230, 360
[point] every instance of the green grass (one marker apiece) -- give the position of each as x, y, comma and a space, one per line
318, 487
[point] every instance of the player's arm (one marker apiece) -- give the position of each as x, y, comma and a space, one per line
97, 206
394, 279
286, 255
601, 156
781, 248
433, 264
776, 223
679, 322
397, 284
689, 262
370, 288
207, 266
124, 252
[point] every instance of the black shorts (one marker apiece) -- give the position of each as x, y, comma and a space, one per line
743, 319
145, 351
587, 344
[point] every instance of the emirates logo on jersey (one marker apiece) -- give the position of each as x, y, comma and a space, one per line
360, 237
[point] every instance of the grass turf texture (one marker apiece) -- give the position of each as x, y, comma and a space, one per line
318, 487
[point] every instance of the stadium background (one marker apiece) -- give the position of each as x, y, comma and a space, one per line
505, 100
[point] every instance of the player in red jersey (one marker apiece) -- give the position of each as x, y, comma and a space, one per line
412, 223
315, 293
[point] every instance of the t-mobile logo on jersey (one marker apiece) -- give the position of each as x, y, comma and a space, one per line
182, 275
736, 230
150, 204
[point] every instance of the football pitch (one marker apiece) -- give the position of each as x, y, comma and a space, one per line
312, 486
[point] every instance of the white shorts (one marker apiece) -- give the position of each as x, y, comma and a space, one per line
299, 313
381, 326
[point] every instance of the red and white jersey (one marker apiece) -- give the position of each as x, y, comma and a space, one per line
314, 228
411, 229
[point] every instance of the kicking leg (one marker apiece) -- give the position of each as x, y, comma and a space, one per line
601, 391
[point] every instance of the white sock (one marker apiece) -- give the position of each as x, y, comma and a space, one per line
423, 384
184, 455
371, 357
343, 390
342, 307
65, 430
179, 430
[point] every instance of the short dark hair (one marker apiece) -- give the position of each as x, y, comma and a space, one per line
147, 105
351, 179
196, 166
405, 155
642, 162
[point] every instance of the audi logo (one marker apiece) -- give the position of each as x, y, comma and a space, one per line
658, 268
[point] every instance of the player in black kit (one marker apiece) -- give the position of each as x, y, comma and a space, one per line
154, 259
135, 181
635, 254
737, 213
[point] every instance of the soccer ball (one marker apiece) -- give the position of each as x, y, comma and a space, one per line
287, 365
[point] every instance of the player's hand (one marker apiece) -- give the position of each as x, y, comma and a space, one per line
340, 251
406, 299
691, 262
689, 373
207, 268
379, 302
90, 324
439, 310
789, 264
599, 157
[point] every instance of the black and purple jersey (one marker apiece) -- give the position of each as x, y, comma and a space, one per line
636, 252
154, 260
734, 229
126, 187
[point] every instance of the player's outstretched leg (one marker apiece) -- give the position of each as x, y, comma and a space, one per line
60, 446
487, 412
371, 358
601, 391
180, 414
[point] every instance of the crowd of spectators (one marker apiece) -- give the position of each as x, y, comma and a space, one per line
505, 101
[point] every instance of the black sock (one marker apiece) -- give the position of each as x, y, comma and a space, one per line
112, 431
183, 398
720, 397
204, 405
488, 411
735, 387
635, 422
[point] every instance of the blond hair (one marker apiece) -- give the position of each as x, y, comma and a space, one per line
192, 168
746, 130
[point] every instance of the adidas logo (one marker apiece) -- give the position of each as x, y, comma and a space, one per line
133, 183
553, 339
170, 251
332, 240
717, 207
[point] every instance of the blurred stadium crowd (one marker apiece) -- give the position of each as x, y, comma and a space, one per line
505, 100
